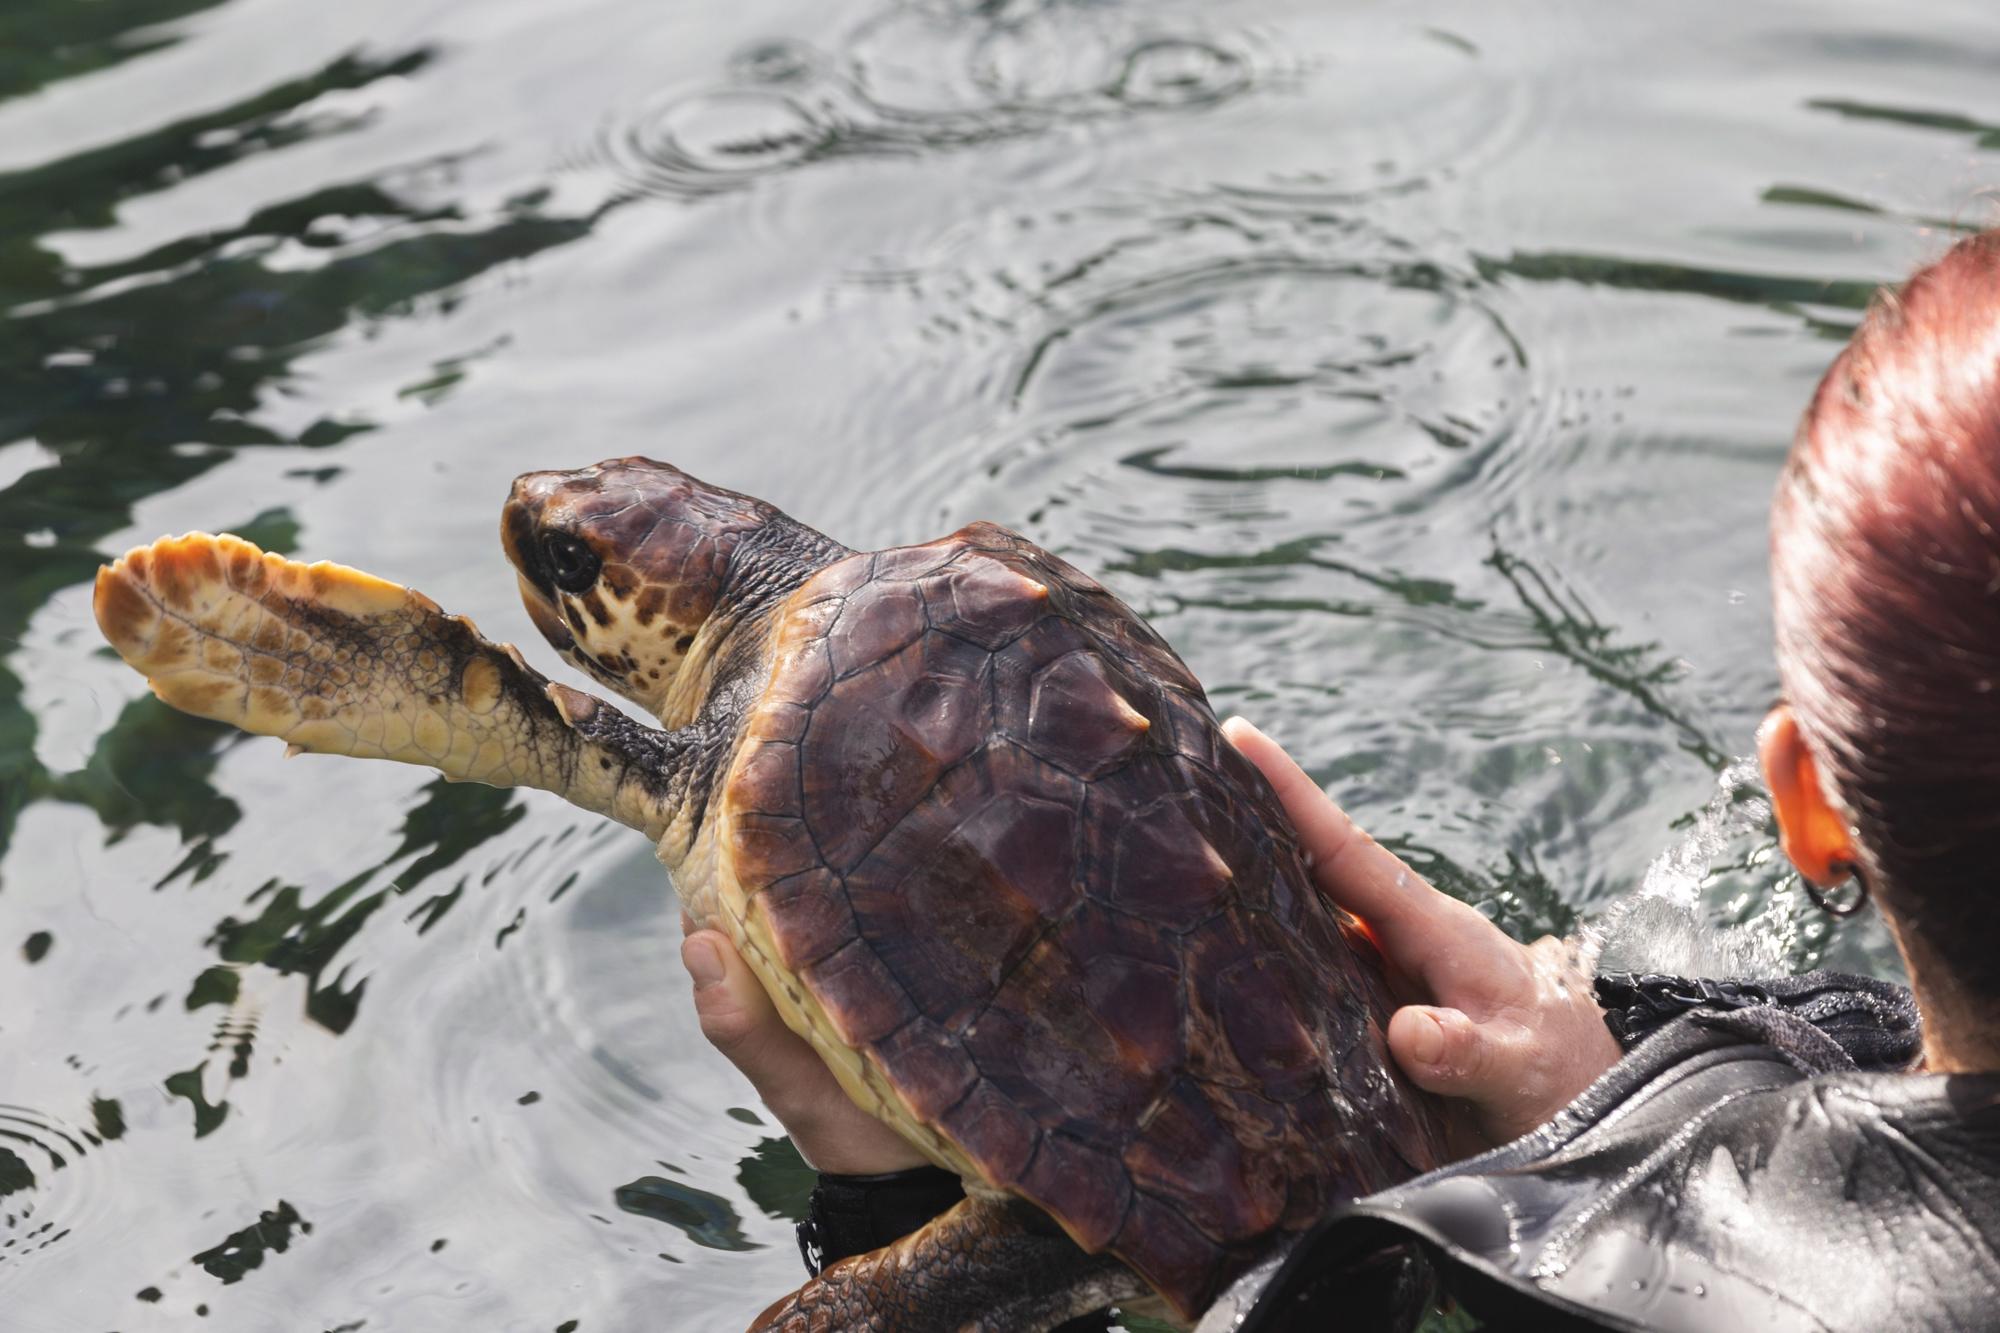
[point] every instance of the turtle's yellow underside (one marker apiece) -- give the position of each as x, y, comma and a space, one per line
212, 623
859, 1076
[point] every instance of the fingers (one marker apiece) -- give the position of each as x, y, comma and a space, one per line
1443, 1051
735, 1011
739, 1020
1484, 1068
1513, 1076
1349, 866
1511, 1034
736, 1015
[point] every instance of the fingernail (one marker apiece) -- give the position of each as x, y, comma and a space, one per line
1427, 1040
703, 962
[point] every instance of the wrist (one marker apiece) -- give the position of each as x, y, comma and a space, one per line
853, 1214
837, 1138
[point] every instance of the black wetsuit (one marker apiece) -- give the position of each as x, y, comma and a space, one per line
1755, 1162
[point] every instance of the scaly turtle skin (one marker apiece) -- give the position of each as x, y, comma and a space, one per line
969, 820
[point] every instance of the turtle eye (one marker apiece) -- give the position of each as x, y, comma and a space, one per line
572, 565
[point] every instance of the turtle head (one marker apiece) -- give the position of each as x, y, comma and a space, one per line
633, 570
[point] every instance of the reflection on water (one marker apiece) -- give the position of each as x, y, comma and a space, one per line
1988, 135
1424, 381
41, 43
703, 1218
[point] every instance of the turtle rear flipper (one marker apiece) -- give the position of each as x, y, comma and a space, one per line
336, 661
992, 1264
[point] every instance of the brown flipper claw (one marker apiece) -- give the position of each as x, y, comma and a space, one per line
991, 1264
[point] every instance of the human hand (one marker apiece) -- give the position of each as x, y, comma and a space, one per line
1513, 1030
739, 1020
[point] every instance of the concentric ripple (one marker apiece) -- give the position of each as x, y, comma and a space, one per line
777, 62
1176, 72
917, 80
712, 140
1046, 58
1186, 352
1421, 372
1283, 433
48, 1177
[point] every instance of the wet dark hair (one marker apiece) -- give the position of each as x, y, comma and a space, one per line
1885, 568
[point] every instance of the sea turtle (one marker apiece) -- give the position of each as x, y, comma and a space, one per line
969, 819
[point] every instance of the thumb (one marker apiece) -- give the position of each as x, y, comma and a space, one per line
736, 1015
739, 1020
1442, 1051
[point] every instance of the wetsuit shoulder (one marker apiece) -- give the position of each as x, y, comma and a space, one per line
1729, 1173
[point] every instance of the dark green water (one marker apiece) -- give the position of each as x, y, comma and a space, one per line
1422, 370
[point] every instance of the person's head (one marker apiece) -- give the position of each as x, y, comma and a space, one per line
1885, 571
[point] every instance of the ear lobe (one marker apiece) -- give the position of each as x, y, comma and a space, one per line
1812, 834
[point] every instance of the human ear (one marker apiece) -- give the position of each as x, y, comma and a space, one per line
1812, 834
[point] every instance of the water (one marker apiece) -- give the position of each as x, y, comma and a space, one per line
1665, 926
1422, 371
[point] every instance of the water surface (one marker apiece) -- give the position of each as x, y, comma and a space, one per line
1422, 371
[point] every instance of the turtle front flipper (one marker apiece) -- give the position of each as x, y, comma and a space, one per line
336, 661
992, 1264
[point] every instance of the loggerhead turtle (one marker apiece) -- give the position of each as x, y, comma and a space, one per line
969, 819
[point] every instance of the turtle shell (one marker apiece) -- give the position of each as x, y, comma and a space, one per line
987, 819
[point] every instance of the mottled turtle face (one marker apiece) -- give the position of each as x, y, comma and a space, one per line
624, 563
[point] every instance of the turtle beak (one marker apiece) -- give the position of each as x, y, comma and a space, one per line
543, 613
520, 522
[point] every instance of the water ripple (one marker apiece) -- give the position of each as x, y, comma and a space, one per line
1189, 359
1176, 72
1424, 384
913, 82
49, 1179
706, 141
